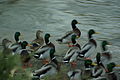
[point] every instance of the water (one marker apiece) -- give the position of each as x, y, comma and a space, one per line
55, 16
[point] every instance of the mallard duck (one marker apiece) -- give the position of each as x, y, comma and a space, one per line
98, 70
74, 75
87, 71
73, 52
44, 52
9, 47
50, 69
67, 38
106, 56
5, 44
38, 42
110, 73
89, 47
25, 54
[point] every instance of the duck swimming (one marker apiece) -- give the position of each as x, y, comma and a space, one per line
44, 51
66, 39
89, 47
38, 42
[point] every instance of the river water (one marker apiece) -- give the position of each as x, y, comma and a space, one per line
55, 16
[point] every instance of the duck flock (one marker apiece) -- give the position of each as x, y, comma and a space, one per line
97, 68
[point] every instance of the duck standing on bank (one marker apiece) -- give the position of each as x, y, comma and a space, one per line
98, 71
66, 39
106, 56
49, 69
43, 52
9, 47
89, 47
73, 53
87, 71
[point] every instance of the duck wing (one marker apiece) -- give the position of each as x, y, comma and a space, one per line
42, 71
96, 72
13, 46
74, 74
69, 54
67, 34
42, 50
74, 56
66, 38
85, 48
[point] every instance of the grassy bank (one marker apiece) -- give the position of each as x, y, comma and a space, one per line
11, 63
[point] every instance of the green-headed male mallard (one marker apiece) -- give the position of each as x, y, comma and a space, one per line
11, 47
50, 69
25, 54
73, 52
111, 74
89, 47
106, 56
66, 39
44, 52
16, 46
38, 42
98, 69
87, 71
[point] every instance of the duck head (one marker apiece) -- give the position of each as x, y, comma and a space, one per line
91, 32
88, 63
38, 33
110, 66
24, 44
5, 42
16, 36
104, 44
73, 23
47, 36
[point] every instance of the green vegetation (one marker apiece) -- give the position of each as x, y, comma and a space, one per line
12, 63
